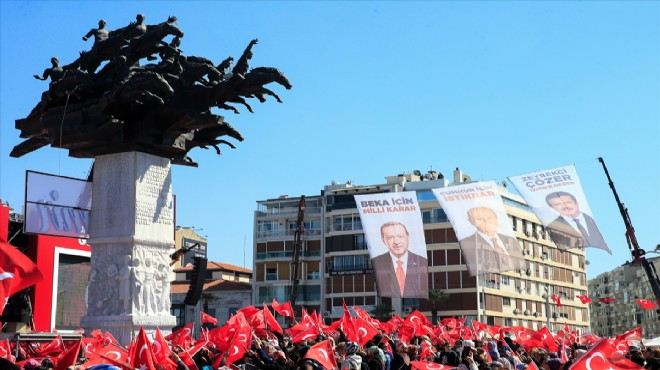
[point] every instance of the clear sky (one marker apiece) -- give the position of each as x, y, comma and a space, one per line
495, 88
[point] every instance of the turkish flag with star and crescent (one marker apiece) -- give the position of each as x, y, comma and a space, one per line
141, 355
646, 304
584, 299
283, 309
604, 356
17, 272
241, 340
323, 353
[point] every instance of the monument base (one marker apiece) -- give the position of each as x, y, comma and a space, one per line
132, 237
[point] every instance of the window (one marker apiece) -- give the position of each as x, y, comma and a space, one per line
271, 273
505, 280
508, 322
514, 223
506, 301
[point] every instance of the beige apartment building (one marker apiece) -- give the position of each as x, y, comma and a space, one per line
336, 267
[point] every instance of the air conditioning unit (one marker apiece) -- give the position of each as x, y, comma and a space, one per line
528, 233
516, 311
407, 310
326, 313
536, 314
527, 312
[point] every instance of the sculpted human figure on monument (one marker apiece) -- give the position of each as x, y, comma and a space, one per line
55, 72
148, 293
124, 278
100, 34
137, 280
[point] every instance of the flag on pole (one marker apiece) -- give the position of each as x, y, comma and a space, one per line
17, 272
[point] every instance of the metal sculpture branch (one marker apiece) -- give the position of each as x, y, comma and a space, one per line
162, 108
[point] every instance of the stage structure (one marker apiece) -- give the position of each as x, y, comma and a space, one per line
136, 120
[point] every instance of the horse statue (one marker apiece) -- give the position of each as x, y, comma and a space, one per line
148, 43
260, 76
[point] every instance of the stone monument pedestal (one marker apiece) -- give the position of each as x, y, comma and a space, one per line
131, 236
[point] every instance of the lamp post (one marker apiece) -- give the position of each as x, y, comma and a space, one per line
546, 295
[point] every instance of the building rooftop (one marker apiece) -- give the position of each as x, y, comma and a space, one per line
210, 265
211, 286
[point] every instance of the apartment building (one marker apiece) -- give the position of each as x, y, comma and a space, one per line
337, 243
625, 284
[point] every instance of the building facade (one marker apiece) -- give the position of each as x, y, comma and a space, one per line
625, 284
511, 298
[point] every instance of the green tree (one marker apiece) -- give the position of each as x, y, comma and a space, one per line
436, 296
206, 298
382, 312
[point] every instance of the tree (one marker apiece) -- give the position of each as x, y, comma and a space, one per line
382, 312
207, 297
436, 296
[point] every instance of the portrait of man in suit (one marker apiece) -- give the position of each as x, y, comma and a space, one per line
572, 228
487, 250
399, 272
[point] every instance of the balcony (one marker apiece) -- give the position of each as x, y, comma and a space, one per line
286, 254
284, 233
287, 210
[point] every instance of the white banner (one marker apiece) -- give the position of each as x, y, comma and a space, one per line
392, 224
557, 199
476, 212
56, 205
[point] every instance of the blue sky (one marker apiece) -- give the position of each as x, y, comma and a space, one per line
495, 88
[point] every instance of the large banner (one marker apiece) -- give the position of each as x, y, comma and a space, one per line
56, 205
392, 224
557, 199
476, 212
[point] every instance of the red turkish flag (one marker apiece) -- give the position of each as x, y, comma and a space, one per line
160, 348
606, 300
633, 334
141, 355
310, 332
324, 354
271, 321
249, 311
221, 337
68, 358
604, 356
17, 272
547, 339
479, 327
5, 349
283, 309
646, 304
584, 299
425, 365
563, 351
187, 360
206, 318
181, 337
91, 345
116, 356
363, 330
619, 345
557, 299
241, 340
417, 319
54, 348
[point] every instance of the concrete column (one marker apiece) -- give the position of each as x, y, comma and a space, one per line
132, 236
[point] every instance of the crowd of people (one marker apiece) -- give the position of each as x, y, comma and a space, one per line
343, 347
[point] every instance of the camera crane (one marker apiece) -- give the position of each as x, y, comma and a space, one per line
637, 252
297, 247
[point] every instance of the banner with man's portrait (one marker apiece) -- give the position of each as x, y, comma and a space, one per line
485, 235
557, 199
392, 224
